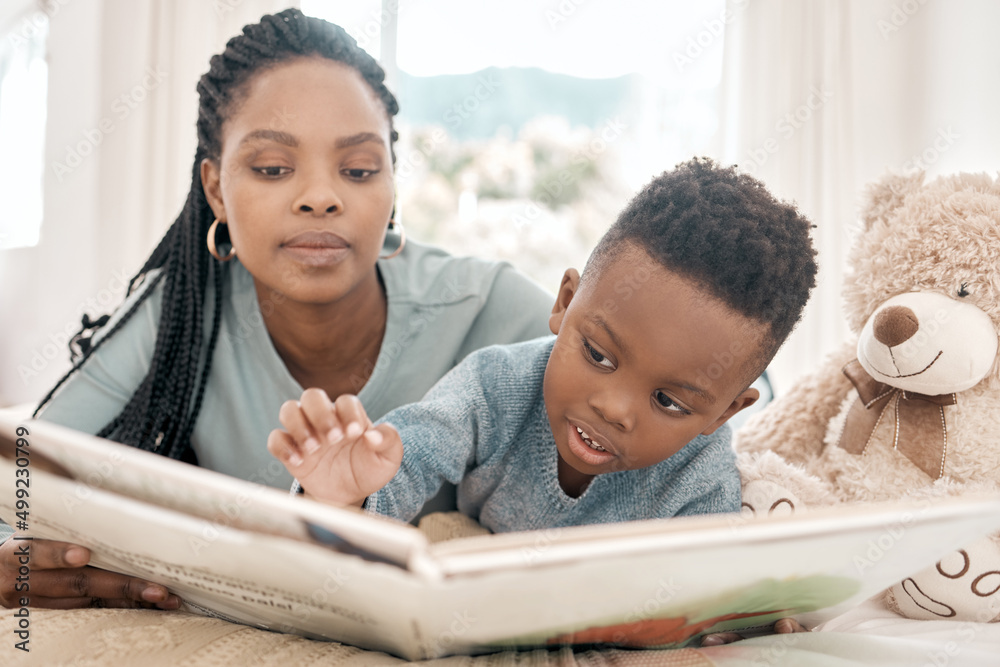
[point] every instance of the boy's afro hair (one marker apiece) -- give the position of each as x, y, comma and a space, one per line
724, 231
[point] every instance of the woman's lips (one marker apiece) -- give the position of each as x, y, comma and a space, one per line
317, 248
582, 450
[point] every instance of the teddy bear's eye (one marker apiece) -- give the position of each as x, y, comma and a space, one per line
962, 291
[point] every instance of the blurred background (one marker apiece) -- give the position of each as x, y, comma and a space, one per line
526, 125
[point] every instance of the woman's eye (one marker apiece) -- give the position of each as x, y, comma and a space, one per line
668, 403
597, 357
359, 174
962, 291
272, 172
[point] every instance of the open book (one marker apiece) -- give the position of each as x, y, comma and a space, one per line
256, 555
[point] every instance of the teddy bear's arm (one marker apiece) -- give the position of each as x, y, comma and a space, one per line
794, 425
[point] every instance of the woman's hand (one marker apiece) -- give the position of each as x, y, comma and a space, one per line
333, 449
781, 626
57, 577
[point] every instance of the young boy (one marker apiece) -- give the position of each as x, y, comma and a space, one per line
621, 415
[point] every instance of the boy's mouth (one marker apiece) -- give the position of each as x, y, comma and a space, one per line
586, 439
588, 447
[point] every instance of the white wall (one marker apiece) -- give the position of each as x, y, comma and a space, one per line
119, 148
37, 314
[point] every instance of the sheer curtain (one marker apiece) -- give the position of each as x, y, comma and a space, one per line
23, 76
162, 46
120, 141
823, 96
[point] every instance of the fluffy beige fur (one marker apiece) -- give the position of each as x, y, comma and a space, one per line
941, 237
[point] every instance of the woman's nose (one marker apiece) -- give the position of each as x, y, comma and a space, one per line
319, 196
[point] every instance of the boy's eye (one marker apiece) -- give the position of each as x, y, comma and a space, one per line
668, 403
596, 357
359, 174
272, 172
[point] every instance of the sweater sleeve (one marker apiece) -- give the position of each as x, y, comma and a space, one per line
444, 435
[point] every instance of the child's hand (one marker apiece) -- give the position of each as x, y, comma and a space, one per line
333, 449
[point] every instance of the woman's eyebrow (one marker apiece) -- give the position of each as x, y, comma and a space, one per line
289, 140
271, 135
359, 138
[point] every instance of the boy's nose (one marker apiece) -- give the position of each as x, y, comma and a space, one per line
613, 408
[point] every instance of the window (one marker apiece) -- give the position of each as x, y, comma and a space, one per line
526, 126
23, 81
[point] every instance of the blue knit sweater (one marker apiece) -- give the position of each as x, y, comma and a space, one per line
483, 426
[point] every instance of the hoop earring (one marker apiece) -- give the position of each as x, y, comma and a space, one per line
395, 229
211, 243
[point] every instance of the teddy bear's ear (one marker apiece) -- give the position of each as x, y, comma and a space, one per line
885, 195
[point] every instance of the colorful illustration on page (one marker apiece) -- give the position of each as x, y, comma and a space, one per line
758, 605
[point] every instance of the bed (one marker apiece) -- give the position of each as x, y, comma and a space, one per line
869, 634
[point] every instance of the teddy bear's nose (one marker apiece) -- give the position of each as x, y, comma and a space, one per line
895, 325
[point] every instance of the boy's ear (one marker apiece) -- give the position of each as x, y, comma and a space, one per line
567, 288
211, 183
744, 400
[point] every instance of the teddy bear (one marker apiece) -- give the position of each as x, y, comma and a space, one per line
910, 407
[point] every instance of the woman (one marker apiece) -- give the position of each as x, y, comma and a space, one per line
284, 270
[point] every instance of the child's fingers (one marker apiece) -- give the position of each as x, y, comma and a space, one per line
283, 447
382, 455
320, 415
351, 413
294, 421
384, 440
380, 436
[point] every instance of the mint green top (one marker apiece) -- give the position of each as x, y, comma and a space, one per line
440, 308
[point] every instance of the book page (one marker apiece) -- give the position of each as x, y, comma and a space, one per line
666, 582
222, 502
266, 581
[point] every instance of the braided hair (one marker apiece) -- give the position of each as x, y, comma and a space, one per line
161, 414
